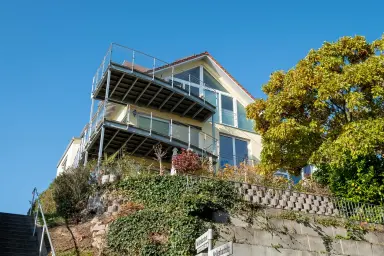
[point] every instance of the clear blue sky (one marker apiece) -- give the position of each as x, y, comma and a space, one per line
50, 51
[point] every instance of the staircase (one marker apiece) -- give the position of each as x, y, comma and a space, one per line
16, 235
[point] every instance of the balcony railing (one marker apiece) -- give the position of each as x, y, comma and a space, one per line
233, 160
146, 120
138, 61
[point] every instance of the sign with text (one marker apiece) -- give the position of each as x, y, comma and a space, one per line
202, 242
223, 250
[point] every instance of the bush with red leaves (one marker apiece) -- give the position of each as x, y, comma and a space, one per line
186, 162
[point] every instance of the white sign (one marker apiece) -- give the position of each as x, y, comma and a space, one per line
223, 250
202, 242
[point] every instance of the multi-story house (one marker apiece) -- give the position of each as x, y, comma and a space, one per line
139, 101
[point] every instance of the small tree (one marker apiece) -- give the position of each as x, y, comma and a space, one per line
187, 161
159, 153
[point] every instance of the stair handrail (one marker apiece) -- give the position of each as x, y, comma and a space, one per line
36, 198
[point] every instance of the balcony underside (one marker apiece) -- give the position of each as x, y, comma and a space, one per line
134, 87
135, 141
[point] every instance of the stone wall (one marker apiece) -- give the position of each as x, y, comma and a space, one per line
288, 200
286, 237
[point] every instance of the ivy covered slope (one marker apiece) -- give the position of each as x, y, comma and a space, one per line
328, 110
175, 212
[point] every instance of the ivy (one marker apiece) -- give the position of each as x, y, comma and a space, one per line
176, 211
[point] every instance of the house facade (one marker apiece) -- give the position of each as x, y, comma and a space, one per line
139, 101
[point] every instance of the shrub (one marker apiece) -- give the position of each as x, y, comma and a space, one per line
173, 213
71, 191
187, 162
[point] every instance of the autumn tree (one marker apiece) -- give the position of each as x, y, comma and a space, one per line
327, 110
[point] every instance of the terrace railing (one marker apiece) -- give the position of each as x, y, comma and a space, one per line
138, 61
146, 120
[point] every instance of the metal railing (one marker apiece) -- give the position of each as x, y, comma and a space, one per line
138, 61
36, 199
233, 160
131, 115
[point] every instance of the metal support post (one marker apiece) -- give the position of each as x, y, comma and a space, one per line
189, 137
100, 155
128, 114
189, 81
153, 70
150, 125
86, 158
107, 92
171, 131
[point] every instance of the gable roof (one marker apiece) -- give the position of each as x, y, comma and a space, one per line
207, 54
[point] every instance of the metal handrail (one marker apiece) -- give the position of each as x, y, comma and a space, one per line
134, 54
36, 198
205, 142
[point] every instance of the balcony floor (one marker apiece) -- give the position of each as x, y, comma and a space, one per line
135, 87
135, 141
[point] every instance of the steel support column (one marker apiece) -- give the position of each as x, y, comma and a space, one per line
100, 155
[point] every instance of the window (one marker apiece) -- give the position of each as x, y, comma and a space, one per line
227, 113
211, 82
233, 151
192, 74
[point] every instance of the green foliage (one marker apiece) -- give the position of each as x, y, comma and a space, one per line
71, 191
328, 110
174, 213
358, 179
329, 96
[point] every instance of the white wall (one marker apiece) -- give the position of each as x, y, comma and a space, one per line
69, 155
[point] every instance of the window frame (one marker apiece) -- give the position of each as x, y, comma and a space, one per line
234, 153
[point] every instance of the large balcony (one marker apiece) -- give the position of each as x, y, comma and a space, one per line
136, 130
126, 76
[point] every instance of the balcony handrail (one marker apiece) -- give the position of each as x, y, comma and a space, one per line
172, 128
36, 199
110, 57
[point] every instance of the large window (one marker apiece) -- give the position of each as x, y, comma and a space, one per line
192, 75
211, 82
227, 113
233, 151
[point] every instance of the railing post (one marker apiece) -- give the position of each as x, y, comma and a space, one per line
173, 70
189, 87
33, 199
153, 70
34, 228
46, 229
189, 137
41, 240
133, 60
171, 131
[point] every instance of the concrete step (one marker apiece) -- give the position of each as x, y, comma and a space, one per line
16, 235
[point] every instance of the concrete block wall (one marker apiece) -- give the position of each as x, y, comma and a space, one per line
288, 200
285, 237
